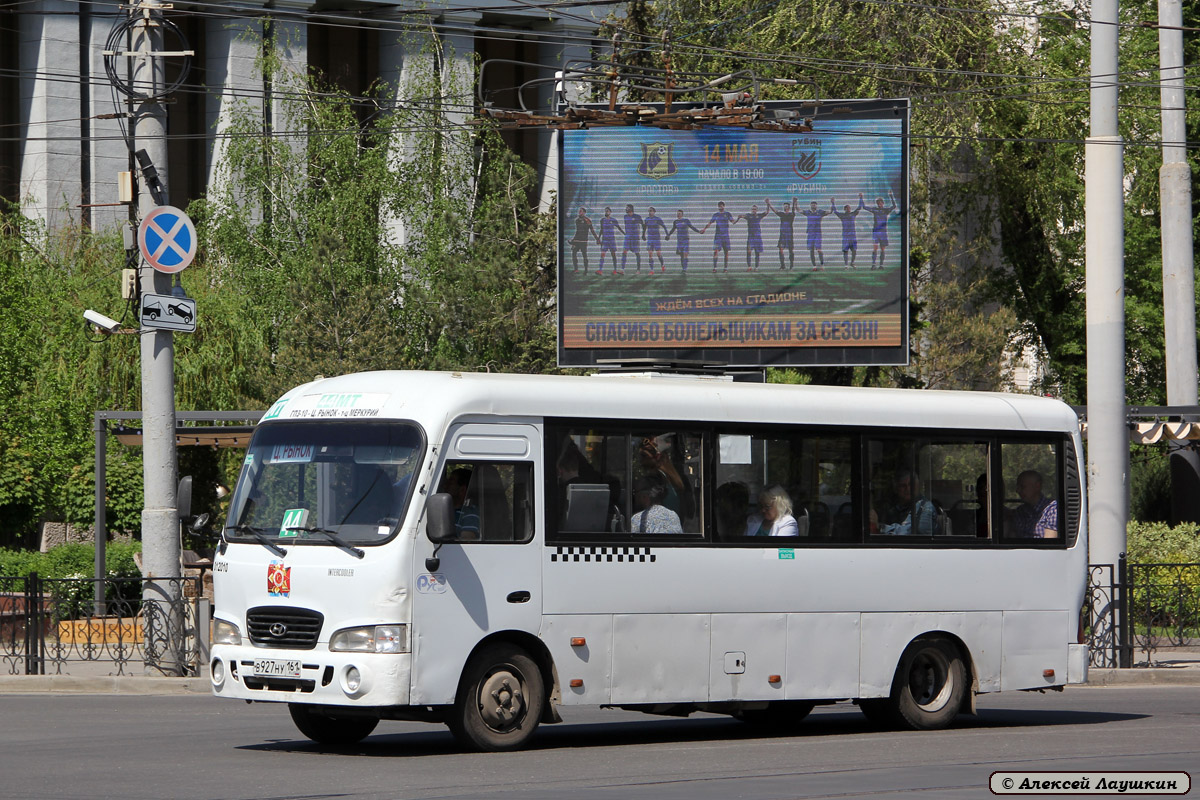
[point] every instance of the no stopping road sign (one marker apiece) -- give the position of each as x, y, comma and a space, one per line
167, 239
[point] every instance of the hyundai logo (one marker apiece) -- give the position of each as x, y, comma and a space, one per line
278, 630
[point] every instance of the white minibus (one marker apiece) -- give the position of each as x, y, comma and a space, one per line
484, 550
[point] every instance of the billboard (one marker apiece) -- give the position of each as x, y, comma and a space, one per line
737, 246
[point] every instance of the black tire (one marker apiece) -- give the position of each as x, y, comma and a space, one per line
500, 700
778, 715
329, 728
930, 685
927, 690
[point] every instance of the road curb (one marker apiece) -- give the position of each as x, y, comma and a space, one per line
1144, 676
111, 684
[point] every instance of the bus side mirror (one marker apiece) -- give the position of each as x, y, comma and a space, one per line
439, 518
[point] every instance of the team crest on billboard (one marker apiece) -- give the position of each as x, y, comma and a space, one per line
279, 579
806, 157
658, 160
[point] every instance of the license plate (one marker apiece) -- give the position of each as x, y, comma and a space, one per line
276, 668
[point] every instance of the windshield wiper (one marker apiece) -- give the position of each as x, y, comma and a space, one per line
333, 537
257, 533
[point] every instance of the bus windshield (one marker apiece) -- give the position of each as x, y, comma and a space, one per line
329, 483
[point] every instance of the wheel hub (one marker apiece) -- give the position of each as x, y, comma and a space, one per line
501, 701
928, 680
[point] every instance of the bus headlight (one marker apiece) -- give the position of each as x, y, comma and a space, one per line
225, 633
371, 639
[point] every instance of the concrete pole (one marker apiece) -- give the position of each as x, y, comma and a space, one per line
160, 521
1179, 292
1108, 437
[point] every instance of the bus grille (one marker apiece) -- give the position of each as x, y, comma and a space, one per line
281, 626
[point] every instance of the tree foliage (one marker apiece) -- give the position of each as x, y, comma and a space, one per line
402, 238
999, 115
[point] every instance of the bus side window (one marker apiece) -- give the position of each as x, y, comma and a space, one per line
592, 472
666, 481
1030, 477
493, 501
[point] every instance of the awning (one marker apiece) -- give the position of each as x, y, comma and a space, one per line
192, 436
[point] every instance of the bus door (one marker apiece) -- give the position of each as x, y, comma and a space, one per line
489, 579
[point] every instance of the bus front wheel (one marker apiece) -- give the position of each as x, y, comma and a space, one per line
500, 700
330, 729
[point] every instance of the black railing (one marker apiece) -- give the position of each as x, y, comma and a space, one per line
1164, 607
56, 626
1143, 607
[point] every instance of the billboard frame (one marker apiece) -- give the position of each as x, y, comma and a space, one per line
817, 114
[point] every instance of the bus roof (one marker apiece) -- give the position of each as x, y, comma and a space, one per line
435, 397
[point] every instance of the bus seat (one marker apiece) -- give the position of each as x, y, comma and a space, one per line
587, 507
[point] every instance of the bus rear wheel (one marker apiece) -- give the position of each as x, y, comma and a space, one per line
500, 700
330, 729
930, 685
927, 691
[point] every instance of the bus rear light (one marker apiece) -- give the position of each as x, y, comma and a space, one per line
1048, 673
578, 641
774, 679
576, 683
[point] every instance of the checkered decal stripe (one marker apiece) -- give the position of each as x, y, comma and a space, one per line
640, 554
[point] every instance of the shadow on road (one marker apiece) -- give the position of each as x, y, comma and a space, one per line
844, 721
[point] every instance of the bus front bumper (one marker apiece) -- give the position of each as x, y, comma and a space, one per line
310, 676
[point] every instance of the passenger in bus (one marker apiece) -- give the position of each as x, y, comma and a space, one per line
1037, 516
466, 514
654, 517
662, 455
731, 500
912, 514
775, 515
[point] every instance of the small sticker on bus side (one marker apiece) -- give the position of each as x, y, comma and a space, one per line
431, 583
781, 554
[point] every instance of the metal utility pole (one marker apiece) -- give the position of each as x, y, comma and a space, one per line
160, 520
1108, 437
1179, 303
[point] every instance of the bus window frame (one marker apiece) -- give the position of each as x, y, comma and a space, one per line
512, 462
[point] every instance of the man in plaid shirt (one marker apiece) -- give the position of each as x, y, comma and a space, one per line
1037, 516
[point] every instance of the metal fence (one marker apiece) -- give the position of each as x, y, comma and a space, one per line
1135, 611
114, 626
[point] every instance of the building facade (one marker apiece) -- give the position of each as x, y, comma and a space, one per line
63, 133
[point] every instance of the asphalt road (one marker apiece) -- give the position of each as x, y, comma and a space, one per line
193, 746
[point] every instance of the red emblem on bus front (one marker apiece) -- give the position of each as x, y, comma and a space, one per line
279, 579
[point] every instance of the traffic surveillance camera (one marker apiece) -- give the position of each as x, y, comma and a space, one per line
101, 321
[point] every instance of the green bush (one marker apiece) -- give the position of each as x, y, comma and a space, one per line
1164, 600
1159, 543
76, 559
